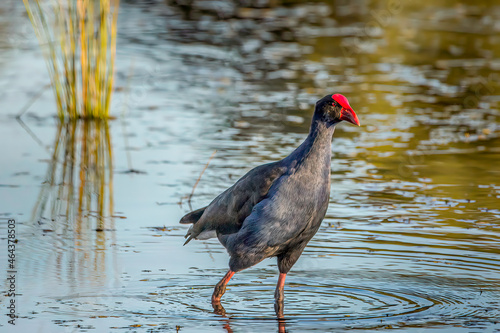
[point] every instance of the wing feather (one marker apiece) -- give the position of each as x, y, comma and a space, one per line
193, 216
226, 213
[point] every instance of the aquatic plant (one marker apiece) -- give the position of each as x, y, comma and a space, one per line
78, 40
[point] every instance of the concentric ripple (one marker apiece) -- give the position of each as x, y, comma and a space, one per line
405, 300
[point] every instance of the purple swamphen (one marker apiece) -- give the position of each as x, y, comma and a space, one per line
276, 208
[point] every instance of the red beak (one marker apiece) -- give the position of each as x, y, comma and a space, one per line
349, 115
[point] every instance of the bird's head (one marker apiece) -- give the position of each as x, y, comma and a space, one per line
332, 109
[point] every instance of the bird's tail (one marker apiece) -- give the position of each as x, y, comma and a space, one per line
193, 216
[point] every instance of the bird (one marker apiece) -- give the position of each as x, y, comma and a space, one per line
276, 208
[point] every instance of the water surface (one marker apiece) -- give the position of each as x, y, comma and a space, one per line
411, 239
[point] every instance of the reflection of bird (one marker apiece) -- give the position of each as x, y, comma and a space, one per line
276, 208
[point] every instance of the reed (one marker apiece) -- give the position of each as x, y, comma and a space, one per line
78, 40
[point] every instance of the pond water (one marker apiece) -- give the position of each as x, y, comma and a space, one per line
411, 240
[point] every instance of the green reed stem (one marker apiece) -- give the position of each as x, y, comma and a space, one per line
78, 40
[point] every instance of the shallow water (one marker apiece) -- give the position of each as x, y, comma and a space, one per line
411, 241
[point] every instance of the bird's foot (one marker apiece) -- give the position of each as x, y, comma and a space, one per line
279, 303
218, 308
279, 307
219, 290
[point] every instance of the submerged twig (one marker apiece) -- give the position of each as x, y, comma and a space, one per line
201, 174
32, 100
29, 131
124, 111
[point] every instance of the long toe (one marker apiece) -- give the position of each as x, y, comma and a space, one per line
218, 308
219, 290
279, 307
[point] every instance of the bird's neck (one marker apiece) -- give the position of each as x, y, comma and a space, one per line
319, 140
316, 148
321, 131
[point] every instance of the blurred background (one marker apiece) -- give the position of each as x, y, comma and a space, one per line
411, 241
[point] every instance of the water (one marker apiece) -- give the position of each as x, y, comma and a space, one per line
411, 238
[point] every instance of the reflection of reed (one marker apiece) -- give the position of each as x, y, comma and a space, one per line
79, 181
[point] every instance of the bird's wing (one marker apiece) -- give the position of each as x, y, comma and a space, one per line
226, 212
293, 207
193, 216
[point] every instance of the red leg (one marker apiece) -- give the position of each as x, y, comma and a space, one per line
220, 288
279, 295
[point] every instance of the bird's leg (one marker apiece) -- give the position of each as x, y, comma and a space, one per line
279, 296
281, 325
220, 288
219, 309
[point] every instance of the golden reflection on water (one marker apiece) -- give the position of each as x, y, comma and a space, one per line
427, 78
75, 205
77, 193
